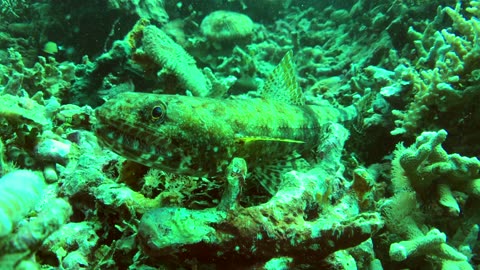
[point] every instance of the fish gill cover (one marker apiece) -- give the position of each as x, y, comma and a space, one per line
250, 134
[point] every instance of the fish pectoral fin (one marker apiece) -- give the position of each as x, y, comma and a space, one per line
270, 175
249, 139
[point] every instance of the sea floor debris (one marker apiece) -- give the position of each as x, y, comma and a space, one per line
395, 186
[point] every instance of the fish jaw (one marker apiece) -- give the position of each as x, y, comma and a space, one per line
123, 127
178, 143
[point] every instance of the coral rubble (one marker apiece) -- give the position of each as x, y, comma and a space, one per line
425, 174
168, 54
395, 186
279, 227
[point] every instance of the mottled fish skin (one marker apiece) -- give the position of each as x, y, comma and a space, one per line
200, 136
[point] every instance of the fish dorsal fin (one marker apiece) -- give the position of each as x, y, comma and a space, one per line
282, 84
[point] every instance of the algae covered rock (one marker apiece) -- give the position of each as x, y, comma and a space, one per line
224, 26
19, 192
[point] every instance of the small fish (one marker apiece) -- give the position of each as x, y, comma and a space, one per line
199, 136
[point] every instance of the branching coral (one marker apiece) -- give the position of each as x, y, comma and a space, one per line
426, 180
9, 6
444, 76
426, 166
315, 217
47, 76
431, 244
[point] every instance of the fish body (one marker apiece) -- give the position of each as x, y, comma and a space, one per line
199, 136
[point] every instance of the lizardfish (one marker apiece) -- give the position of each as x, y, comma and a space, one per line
199, 136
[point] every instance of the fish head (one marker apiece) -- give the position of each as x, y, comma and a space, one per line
154, 130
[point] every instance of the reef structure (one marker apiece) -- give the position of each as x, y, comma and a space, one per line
280, 227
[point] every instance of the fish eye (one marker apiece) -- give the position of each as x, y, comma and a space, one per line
158, 113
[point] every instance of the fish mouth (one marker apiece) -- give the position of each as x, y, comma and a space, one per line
143, 148
136, 146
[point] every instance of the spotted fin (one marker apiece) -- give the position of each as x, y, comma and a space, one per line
270, 175
282, 85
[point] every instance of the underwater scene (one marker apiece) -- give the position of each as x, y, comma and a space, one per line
239, 134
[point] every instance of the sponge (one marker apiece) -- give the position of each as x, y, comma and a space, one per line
19, 192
